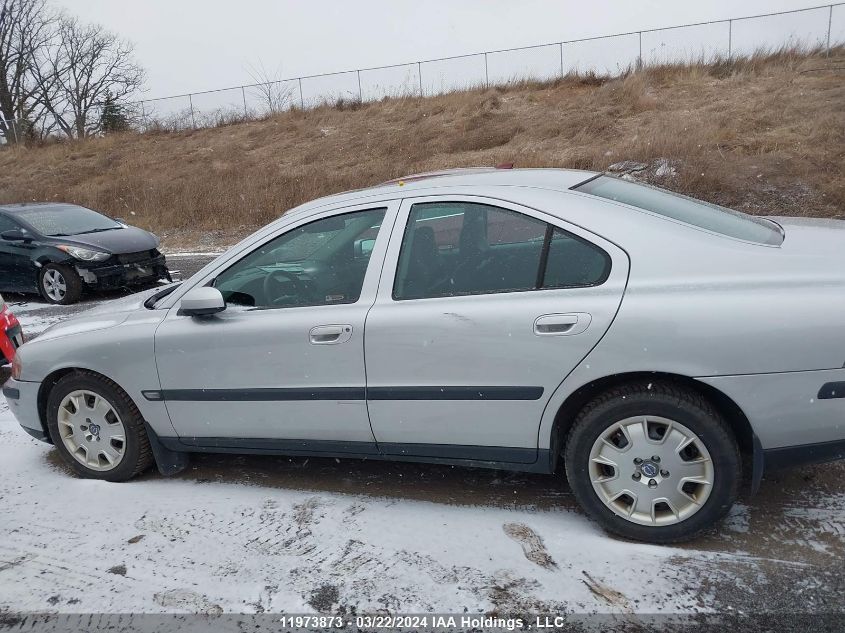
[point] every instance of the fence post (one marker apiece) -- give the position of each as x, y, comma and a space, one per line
640, 57
730, 37
561, 60
193, 120
419, 74
829, 22
486, 72
301, 99
360, 92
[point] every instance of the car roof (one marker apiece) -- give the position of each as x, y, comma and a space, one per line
546, 178
21, 208
540, 178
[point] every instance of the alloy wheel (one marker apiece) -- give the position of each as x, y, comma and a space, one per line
651, 470
54, 284
91, 430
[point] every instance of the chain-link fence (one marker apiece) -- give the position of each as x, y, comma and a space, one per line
811, 28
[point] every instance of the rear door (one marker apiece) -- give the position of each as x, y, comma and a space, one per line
483, 309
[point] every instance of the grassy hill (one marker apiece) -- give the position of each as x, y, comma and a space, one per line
764, 134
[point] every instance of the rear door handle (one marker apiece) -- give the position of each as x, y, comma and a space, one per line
330, 334
562, 324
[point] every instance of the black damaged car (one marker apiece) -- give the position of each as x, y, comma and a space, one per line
59, 250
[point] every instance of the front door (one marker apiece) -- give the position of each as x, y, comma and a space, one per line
486, 311
282, 367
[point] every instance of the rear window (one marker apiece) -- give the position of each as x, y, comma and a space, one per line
675, 206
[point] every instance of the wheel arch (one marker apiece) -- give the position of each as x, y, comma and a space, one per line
733, 414
52, 379
52, 258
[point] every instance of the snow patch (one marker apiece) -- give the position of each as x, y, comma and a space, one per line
231, 547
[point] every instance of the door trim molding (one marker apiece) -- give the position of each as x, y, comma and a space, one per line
283, 394
256, 395
455, 393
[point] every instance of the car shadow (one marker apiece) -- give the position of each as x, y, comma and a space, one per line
375, 478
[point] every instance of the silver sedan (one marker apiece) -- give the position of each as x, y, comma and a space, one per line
657, 348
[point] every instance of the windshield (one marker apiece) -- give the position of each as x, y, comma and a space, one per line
61, 220
675, 206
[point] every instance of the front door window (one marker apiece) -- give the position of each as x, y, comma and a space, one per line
320, 263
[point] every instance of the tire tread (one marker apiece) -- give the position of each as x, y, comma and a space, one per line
72, 278
135, 425
680, 395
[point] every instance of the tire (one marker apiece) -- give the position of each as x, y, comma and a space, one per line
59, 284
643, 421
71, 410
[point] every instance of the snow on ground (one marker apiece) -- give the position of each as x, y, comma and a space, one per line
35, 317
161, 545
191, 254
249, 543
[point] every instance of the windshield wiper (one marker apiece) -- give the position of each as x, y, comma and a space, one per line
111, 228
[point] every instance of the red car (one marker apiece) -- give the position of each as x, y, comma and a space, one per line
11, 335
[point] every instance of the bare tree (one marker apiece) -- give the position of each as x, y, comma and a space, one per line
26, 27
270, 91
76, 73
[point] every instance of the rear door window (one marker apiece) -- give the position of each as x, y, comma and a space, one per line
466, 248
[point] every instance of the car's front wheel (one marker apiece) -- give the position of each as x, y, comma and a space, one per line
59, 284
653, 462
96, 428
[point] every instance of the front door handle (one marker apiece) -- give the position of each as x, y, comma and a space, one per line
562, 324
330, 334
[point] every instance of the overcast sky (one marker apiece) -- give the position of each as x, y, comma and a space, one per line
193, 45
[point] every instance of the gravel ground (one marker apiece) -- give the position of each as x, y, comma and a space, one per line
255, 534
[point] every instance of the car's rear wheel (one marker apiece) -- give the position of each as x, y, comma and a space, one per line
97, 428
59, 284
653, 462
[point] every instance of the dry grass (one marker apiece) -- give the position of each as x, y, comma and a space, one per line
764, 134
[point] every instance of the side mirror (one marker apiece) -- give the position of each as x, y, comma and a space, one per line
363, 248
203, 301
14, 235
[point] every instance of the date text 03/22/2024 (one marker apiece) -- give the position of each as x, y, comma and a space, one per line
420, 621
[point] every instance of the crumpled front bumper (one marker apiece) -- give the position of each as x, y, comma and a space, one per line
110, 275
23, 402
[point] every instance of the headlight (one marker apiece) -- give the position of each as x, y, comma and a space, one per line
86, 255
16, 367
